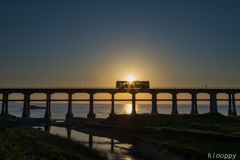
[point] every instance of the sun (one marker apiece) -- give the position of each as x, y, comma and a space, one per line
130, 78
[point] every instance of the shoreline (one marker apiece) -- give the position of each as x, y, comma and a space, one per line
161, 131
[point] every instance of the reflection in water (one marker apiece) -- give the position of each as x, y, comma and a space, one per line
69, 131
128, 108
47, 128
112, 143
90, 141
113, 148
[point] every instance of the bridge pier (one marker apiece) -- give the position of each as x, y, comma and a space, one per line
48, 114
133, 104
234, 112
69, 113
174, 103
194, 104
154, 104
91, 114
5, 104
26, 106
213, 103
112, 110
230, 112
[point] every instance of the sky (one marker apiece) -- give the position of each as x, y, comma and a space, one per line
96, 43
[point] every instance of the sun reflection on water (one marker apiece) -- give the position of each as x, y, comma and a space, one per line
128, 108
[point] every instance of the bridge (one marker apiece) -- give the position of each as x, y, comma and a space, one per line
91, 91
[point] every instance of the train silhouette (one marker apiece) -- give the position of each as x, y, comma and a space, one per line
133, 84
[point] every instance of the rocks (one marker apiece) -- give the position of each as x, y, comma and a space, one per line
36, 107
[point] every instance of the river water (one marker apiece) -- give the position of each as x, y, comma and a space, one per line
114, 149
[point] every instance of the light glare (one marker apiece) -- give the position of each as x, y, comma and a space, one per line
130, 79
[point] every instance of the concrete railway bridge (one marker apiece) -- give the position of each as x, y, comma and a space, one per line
91, 91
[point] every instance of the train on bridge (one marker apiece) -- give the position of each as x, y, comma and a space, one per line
120, 85
132, 84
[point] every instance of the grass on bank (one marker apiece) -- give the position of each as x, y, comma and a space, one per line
184, 136
215, 122
22, 144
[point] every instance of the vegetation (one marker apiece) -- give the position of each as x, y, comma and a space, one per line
215, 122
181, 136
22, 144
154, 137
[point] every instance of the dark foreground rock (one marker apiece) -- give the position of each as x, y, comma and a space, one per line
36, 107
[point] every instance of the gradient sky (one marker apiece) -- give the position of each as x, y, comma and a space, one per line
95, 43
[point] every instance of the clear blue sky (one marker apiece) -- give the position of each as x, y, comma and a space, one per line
95, 43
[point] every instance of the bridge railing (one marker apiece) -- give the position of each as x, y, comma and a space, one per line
58, 87
194, 88
78, 87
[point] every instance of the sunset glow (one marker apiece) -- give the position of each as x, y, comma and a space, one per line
130, 78
128, 108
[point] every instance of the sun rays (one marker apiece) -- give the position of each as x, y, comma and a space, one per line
130, 78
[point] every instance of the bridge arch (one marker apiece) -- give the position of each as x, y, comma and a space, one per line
237, 97
203, 102
81, 96
38, 96
101, 106
42, 97
59, 104
124, 103
164, 103
144, 106
184, 103
222, 103
17, 105
80, 104
16, 96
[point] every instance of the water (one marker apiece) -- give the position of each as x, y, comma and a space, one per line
113, 148
59, 110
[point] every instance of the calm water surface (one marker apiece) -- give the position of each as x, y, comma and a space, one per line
114, 149
59, 110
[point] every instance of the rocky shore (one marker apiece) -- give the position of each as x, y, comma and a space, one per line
35, 107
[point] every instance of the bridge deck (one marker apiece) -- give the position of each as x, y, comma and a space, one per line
36, 100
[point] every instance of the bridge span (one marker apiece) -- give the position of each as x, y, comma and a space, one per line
91, 91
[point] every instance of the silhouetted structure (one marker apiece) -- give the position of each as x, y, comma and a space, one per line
69, 132
133, 84
90, 141
48, 91
47, 128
